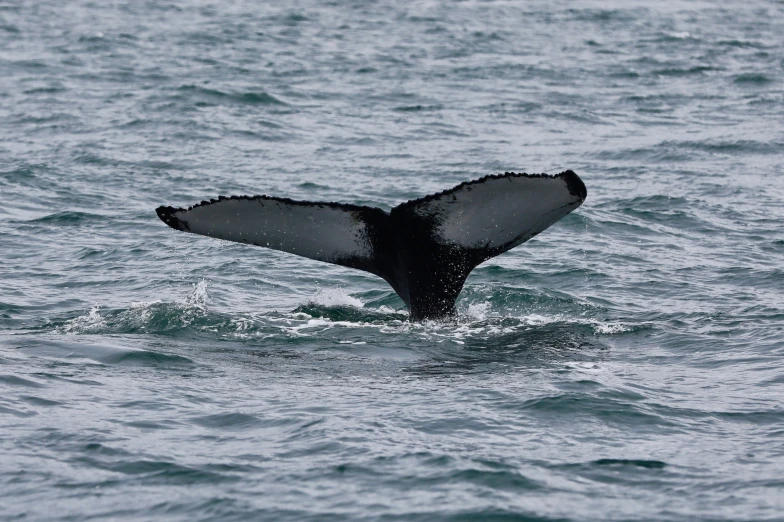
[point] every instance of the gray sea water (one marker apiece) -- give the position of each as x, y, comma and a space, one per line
627, 364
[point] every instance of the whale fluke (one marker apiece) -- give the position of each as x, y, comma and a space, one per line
424, 248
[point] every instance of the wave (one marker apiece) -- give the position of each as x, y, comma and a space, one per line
752, 79
69, 218
483, 317
205, 95
68, 351
682, 151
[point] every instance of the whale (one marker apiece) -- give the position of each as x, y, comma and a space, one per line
424, 248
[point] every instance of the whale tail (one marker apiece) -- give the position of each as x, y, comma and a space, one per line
424, 248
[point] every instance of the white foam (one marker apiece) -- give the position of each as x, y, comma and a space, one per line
541, 320
143, 304
197, 297
335, 297
85, 323
610, 328
478, 311
477, 321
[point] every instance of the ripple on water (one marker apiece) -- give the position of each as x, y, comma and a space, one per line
231, 421
204, 96
70, 218
13, 380
79, 352
752, 79
161, 472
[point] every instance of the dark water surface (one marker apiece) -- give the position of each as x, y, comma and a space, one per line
626, 364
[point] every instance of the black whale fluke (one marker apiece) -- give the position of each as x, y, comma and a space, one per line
424, 248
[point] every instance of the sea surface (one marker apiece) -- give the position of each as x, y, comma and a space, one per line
627, 364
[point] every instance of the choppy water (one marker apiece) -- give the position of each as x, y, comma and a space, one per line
627, 364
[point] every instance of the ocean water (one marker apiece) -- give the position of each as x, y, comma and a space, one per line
627, 364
